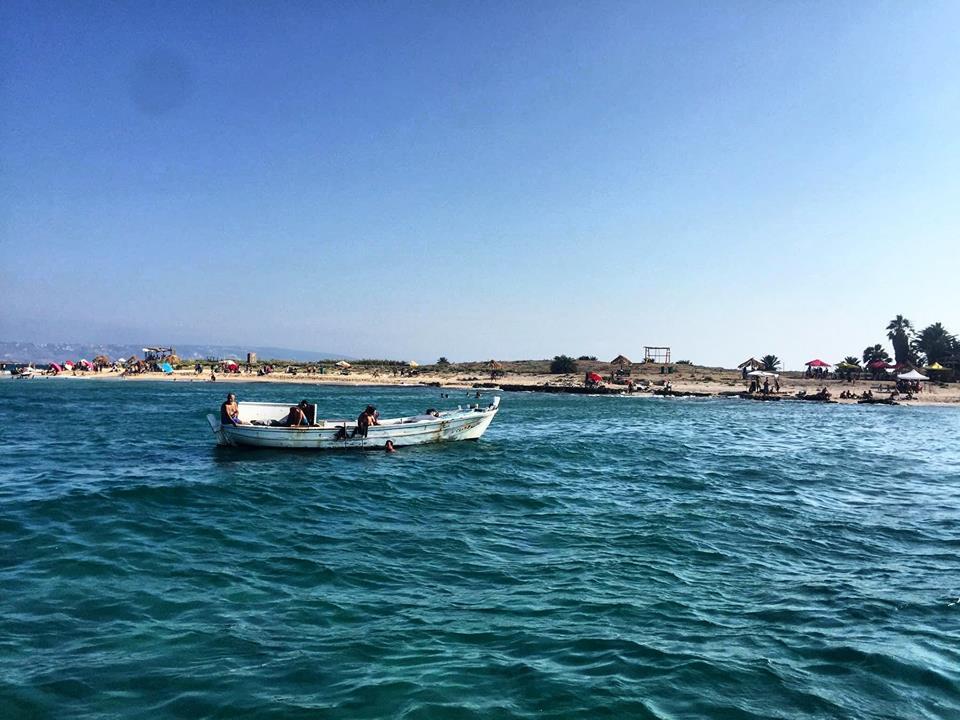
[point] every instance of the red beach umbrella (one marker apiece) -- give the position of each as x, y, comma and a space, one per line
593, 377
818, 363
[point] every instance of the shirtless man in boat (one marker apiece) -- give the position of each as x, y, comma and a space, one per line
230, 411
298, 415
367, 418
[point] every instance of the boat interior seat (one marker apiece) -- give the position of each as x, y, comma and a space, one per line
311, 413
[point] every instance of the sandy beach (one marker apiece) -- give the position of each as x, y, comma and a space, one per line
534, 375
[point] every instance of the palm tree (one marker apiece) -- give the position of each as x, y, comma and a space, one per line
935, 343
875, 352
900, 332
770, 363
851, 360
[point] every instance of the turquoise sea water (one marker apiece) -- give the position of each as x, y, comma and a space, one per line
590, 557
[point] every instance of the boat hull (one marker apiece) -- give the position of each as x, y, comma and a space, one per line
468, 424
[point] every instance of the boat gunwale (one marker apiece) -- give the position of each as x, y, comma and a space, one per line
460, 415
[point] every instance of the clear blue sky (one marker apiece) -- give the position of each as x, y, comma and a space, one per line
480, 180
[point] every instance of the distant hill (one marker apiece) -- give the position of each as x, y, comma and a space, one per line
58, 352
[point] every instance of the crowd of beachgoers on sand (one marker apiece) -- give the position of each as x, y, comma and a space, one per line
924, 369
892, 385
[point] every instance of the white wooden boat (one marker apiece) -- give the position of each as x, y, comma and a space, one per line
461, 424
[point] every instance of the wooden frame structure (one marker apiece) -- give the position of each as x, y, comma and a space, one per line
655, 354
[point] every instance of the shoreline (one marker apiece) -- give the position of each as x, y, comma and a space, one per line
717, 384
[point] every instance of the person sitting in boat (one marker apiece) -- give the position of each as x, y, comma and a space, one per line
230, 411
367, 418
298, 415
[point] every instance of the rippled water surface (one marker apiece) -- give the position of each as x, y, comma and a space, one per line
590, 557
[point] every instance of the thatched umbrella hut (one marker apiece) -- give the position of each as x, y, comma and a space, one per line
343, 364
751, 364
101, 361
624, 362
496, 369
132, 360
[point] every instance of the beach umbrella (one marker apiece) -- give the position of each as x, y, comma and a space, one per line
762, 373
817, 363
101, 360
87, 364
621, 360
752, 363
413, 363
68, 365
593, 377
912, 375
54, 366
879, 365
936, 366
343, 364
494, 365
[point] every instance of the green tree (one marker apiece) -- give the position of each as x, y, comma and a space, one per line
443, 361
935, 343
851, 360
770, 363
563, 364
900, 333
875, 352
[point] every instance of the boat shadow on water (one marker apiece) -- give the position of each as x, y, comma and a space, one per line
228, 454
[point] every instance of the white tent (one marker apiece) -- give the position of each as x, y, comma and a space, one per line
762, 373
912, 375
